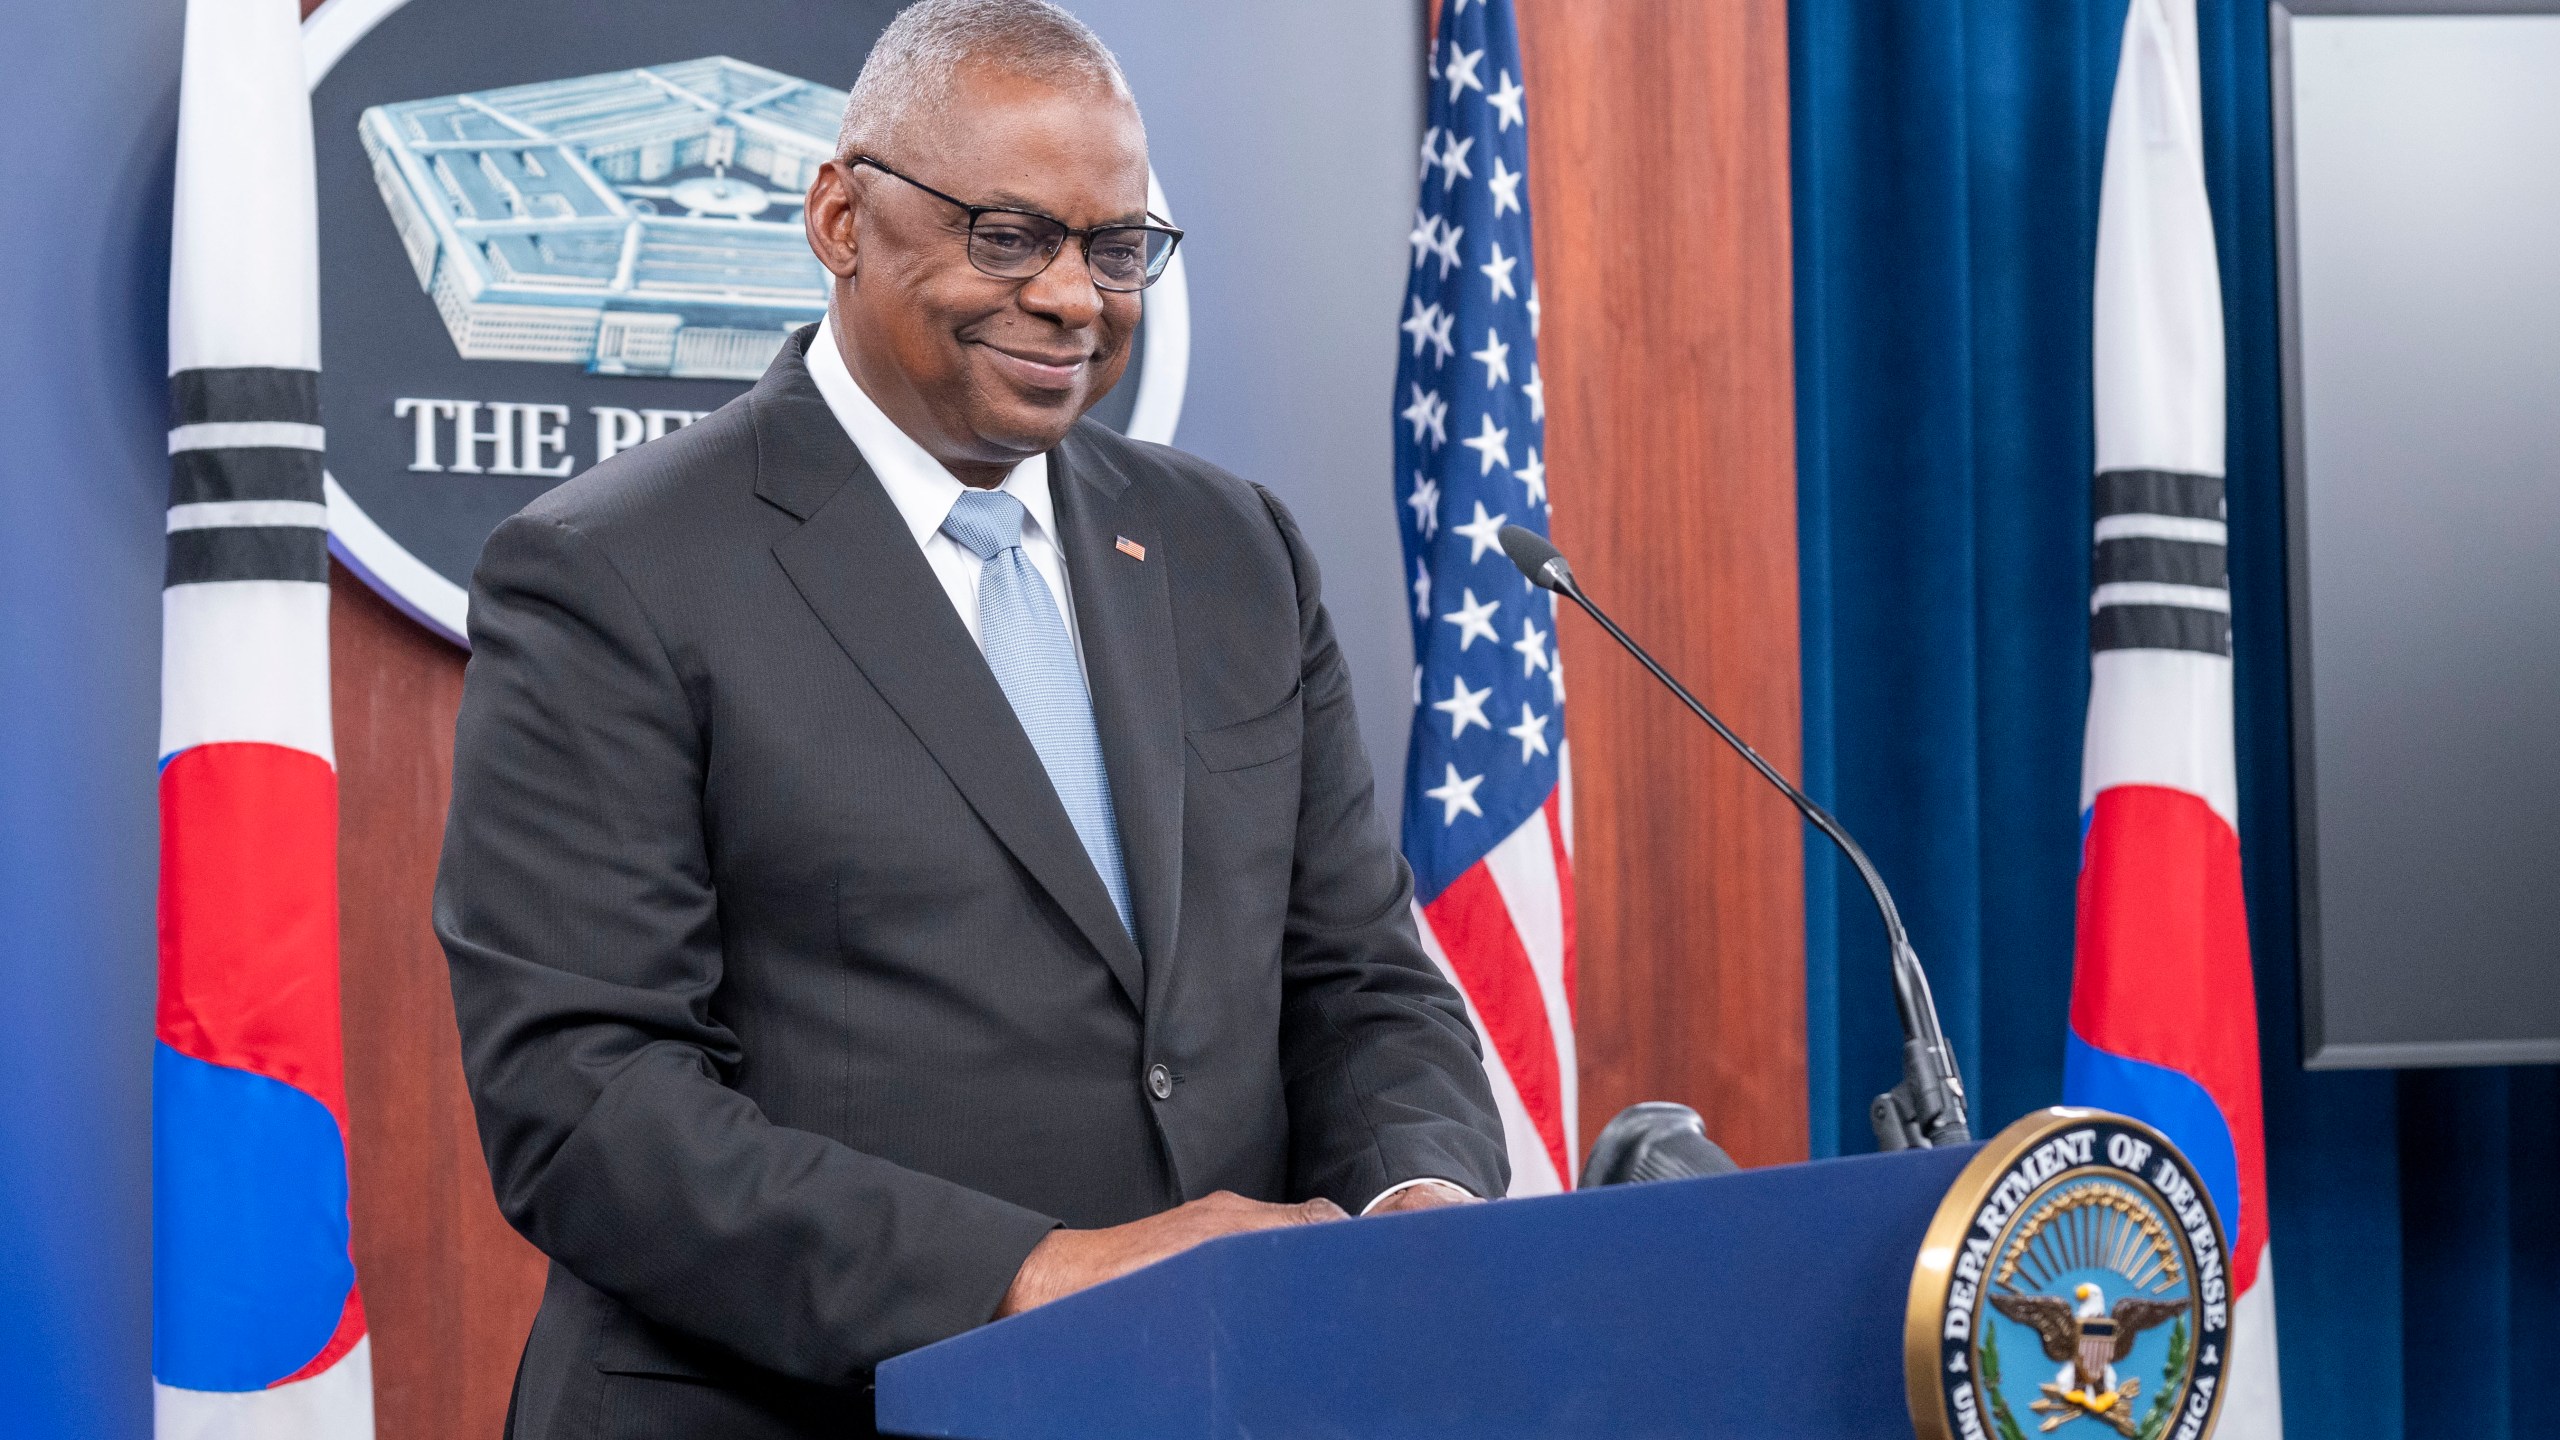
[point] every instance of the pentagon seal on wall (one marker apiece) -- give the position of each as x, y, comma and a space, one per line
2072, 1280
551, 231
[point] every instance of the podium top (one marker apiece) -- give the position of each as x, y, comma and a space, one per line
1768, 1302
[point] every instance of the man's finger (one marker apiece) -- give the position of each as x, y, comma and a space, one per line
1317, 1211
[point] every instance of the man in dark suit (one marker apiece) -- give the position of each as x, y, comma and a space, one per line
911, 853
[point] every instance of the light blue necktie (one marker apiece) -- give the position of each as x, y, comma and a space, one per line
1034, 658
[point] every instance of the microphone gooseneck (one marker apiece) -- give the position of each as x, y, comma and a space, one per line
1928, 1108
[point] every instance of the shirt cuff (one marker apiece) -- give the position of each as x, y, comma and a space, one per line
1402, 1186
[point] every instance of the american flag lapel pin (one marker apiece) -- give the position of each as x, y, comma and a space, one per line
1130, 548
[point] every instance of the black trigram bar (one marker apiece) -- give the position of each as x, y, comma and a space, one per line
2166, 562
248, 552
249, 392
2158, 492
247, 473
2160, 627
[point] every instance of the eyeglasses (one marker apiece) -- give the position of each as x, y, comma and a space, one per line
1019, 244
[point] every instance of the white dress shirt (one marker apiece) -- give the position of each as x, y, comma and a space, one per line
924, 492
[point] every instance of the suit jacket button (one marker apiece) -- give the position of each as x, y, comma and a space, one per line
1159, 1082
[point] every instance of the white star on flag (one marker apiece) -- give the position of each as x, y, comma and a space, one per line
1498, 270
1495, 357
1429, 414
1461, 70
1473, 618
1458, 794
1531, 732
1532, 647
1536, 390
1421, 593
1453, 161
1506, 188
1419, 323
1483, 533
1425, 501
1430, 152
1447, 250
1533, 309
1493, 443
1464, 707
1534, 475
1424, 238
1505, 100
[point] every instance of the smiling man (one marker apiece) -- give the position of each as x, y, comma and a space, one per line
911, 855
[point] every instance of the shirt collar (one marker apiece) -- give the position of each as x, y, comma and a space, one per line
917, 484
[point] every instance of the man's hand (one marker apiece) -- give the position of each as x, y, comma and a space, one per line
1429, 1195
1071, 1260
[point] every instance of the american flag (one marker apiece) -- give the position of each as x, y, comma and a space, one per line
1487, 823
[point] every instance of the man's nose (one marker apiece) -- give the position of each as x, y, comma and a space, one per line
1065, 292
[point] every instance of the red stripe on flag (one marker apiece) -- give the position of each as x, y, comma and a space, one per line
249, 914
1564, 896
2163, 974
1475, 931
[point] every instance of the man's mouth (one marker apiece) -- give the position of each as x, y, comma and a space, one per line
1037, 368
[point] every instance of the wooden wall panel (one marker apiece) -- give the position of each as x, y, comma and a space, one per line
1658, 178
449, 1289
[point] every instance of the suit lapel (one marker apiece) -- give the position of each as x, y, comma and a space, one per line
856, 564
1124, 614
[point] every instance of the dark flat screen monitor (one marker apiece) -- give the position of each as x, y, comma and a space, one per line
2418, 179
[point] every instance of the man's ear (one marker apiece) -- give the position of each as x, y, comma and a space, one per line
829, 214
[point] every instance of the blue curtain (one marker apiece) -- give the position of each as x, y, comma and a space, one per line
1947, 158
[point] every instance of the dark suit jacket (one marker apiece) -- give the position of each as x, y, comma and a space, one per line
793, 1010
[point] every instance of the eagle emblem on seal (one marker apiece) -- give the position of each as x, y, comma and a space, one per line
2088, 1339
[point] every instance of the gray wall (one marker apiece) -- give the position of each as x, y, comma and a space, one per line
1285, 137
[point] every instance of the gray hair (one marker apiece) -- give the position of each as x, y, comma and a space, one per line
910, 68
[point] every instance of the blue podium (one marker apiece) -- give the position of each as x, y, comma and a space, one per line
1765, 1303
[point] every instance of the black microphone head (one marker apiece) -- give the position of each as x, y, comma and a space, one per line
1656, 1140
1537, 557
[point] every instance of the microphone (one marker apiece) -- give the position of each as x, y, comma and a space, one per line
1656, 1140
1927, 1109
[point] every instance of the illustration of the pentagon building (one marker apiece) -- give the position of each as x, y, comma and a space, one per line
642, 222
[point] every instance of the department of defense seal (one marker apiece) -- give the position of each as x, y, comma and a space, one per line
2073, 1278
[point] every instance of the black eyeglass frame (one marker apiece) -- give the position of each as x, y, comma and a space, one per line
1066, 232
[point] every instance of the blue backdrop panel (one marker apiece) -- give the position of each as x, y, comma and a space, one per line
85, 149
1947, 158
